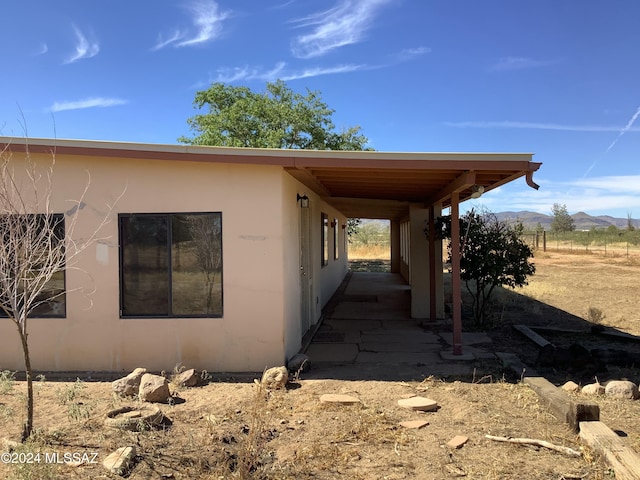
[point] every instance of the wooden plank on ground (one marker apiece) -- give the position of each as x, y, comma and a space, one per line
540, 328
513, 362
563, 407
624, 461
531, 335
612, 332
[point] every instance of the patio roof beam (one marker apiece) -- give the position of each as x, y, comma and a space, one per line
463, 181
305, 177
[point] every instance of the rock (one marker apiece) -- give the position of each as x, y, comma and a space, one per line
593, 389
120, 461
339, 399
622, 389
128, 386
419, 403
188, 378
571, 387
134, 419
458, 441
275, 378
414, 424
299, 363
8, 445
154, 388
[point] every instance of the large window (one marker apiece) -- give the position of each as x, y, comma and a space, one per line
171, 265
33, 250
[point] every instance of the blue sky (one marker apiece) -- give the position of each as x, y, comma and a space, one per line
560, 79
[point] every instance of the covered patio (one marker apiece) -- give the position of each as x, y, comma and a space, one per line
411, 190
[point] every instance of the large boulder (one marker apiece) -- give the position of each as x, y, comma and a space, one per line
593, 389
187, 378
128, 386
154, 388
275, 378
622, 389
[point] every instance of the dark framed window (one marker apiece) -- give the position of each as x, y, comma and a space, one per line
325, 238
336, 239
170, 264
33, 230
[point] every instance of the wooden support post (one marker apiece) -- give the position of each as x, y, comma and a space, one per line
455, 274
432, 265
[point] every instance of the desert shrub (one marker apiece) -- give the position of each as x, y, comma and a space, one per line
492, 254
76, 410
7, 377
595, 315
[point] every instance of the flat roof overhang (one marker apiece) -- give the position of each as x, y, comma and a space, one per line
360, 184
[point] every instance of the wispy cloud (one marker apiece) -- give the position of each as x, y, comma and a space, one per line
84, 48
87, 103
411, 53
518, 63
627, 128
613, 195
42, 49
541, 126
281, 72
206, 17
342, 25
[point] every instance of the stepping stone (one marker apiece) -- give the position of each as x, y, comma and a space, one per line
419, 403
457, 441
414, 424
339, 399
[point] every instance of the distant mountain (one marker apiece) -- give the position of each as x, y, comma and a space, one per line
582, 221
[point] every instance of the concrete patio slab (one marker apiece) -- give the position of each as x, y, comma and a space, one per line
465, 356
468, 338
399, 347
408, 337
376, 338
390, 358
332, 352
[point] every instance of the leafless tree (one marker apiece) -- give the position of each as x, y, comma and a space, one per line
38, 244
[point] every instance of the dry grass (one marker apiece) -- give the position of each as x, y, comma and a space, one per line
236, 430
369, 252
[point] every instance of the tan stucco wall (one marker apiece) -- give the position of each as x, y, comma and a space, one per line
325, 280
260, 326
249, 336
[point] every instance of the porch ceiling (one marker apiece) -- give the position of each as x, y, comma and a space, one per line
384, 189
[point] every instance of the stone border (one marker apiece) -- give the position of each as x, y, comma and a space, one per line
134, 423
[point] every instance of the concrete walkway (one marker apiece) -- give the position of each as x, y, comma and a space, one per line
368, 333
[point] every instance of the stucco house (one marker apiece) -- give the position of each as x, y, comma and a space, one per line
223, 258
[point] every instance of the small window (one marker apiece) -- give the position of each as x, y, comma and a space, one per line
336, 239
171, 265
325, 239
31, 231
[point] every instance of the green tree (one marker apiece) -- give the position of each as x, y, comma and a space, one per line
353, 227
562, 221
492, 254
275, 118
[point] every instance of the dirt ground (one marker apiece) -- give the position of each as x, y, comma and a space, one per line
230, 428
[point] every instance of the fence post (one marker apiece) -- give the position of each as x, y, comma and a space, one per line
544, 241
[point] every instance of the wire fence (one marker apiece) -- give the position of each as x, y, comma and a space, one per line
601, 242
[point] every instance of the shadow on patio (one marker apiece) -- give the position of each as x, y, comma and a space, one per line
367, 333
